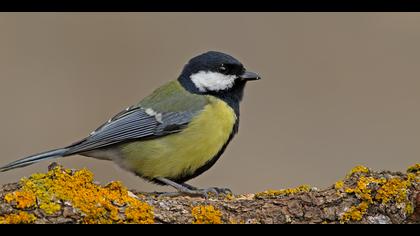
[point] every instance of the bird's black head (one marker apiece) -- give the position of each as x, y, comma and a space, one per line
216, 73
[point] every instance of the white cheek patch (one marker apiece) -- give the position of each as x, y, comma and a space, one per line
212, 81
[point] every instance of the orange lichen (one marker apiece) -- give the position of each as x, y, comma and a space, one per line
273, 193
206, 215
19, 218
23, 199
96, 203
139, 212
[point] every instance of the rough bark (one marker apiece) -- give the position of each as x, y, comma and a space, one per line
363, 196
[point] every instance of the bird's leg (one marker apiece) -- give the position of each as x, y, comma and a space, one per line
186, 189
182, 189
189, 186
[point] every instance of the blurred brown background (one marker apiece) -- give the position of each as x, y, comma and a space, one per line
338, 89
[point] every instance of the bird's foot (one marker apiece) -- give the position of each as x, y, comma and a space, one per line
185, 189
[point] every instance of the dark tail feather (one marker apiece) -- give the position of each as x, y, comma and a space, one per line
57, 153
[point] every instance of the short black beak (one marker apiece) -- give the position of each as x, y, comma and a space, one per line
248, 75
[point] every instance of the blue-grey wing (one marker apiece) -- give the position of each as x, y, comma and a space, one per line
133, 124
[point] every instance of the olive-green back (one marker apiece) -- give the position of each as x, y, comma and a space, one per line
172, 97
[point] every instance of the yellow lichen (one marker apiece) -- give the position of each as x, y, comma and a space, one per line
414, 169
393, 189
19, 218
206, 215
273, 193
96, 203
363, 190
355, 213
23, 199
339, 185
413, 177
229, 197
235, 221
358, 169
409, 209
372, 190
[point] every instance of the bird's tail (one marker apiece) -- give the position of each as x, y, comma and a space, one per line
57, 153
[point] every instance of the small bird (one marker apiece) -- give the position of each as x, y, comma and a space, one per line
176, 133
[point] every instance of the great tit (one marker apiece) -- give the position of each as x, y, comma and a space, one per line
174, 134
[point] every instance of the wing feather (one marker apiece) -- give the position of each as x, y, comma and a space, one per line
132, 124
172, 106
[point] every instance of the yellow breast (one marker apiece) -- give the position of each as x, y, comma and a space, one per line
186, 151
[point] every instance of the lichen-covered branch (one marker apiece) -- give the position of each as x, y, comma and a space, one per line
71, 196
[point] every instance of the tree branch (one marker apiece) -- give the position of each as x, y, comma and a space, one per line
71, 196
